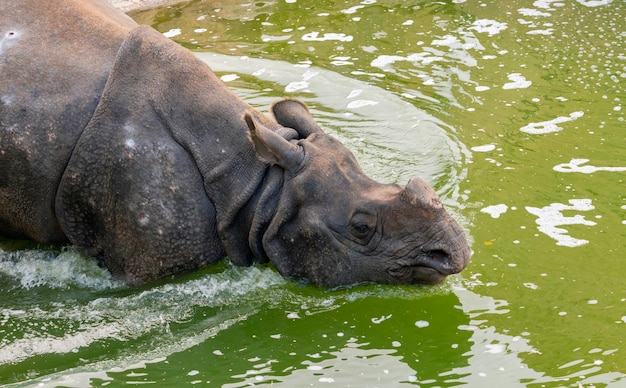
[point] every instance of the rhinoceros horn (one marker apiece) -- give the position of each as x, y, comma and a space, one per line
273, 148
419, 193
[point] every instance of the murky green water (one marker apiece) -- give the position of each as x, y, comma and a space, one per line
513, 111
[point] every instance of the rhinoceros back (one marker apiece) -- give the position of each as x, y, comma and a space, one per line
55, 57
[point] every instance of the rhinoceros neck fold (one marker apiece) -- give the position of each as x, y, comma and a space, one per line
206, 119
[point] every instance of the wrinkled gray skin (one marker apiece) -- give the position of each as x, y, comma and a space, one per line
121, 142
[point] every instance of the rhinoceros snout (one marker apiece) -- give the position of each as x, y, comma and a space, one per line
449, 253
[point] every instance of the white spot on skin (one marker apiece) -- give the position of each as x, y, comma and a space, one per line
130, 143
6, 100
143, 219
7, 40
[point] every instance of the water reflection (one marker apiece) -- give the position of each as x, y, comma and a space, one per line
355, 112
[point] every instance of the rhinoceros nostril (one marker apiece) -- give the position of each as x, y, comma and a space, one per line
439, 255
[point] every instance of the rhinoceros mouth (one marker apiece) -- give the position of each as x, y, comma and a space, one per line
427, 268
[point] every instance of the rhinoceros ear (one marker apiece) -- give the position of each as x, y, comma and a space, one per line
273, 148
294, 114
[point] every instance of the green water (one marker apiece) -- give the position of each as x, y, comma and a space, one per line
512, 110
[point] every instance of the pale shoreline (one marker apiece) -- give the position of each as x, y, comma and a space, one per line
133, 5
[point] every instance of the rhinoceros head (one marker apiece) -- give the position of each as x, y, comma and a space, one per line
334, 225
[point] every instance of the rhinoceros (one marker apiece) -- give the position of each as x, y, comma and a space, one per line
122, 143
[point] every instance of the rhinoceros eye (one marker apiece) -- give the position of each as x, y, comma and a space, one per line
362, 229
362, 225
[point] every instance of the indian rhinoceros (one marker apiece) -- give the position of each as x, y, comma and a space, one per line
119, 141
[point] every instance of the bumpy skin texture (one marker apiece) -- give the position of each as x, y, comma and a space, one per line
54, 63
123, 143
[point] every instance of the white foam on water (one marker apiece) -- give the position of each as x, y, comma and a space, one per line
548, 31
340, 367
352, 10
550, 126
315, 37
495, 210
518, 81
296, 86
424, 58
488, 26
384, 61
360, 104
112, 318
354, 93
547, 4
37, 268
484, 148
447, 41
275, 38
594, 3
229, 77
576, 165
551, 217
172, 33
532, 12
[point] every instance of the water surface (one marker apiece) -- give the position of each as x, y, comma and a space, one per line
513, 111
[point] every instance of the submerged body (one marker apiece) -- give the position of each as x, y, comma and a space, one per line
121, 142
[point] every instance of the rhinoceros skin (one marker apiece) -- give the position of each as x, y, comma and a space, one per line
117, 140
